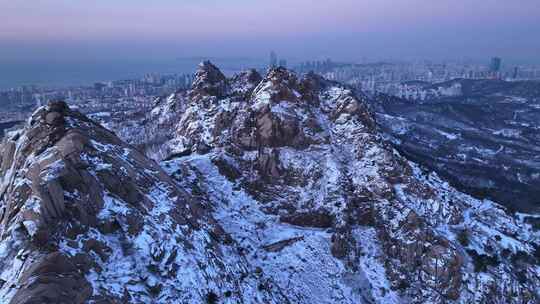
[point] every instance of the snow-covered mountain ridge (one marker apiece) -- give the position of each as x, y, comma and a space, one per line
85, 218
274, 189
306, 155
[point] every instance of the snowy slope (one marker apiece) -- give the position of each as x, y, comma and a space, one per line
299, 176
86, 218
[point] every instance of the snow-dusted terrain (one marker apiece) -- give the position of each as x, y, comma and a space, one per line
299, 175
486, 141
86, 218
268, 190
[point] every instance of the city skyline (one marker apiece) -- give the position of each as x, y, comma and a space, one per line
59, 30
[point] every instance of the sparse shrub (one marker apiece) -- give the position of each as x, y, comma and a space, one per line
463, 238
537, 253
403, 285
482, 261
212, 298
524, 257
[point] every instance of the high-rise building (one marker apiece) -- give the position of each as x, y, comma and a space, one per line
283, 63
273, 59
495, 65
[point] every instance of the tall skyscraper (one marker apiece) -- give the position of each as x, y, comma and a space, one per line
283, 63
273, 59
495, 65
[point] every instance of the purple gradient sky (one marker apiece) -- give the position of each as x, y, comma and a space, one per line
343, 29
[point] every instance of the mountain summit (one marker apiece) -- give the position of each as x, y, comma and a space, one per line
209, 81
296, 171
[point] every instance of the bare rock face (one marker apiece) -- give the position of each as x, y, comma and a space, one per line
209, 81
268, 164
244, 83
297, 173
53, 279
86, 218
278, 85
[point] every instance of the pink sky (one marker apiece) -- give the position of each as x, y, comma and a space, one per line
198, 24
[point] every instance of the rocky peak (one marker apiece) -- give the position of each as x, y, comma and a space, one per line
279, 85
250, 76
244, 83
300, 176
275, 111
310, 85
85, 217
281, 75
209, 81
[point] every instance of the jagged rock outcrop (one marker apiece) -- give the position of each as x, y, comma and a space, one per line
85, 218
300, 168
209, 82
244, 83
